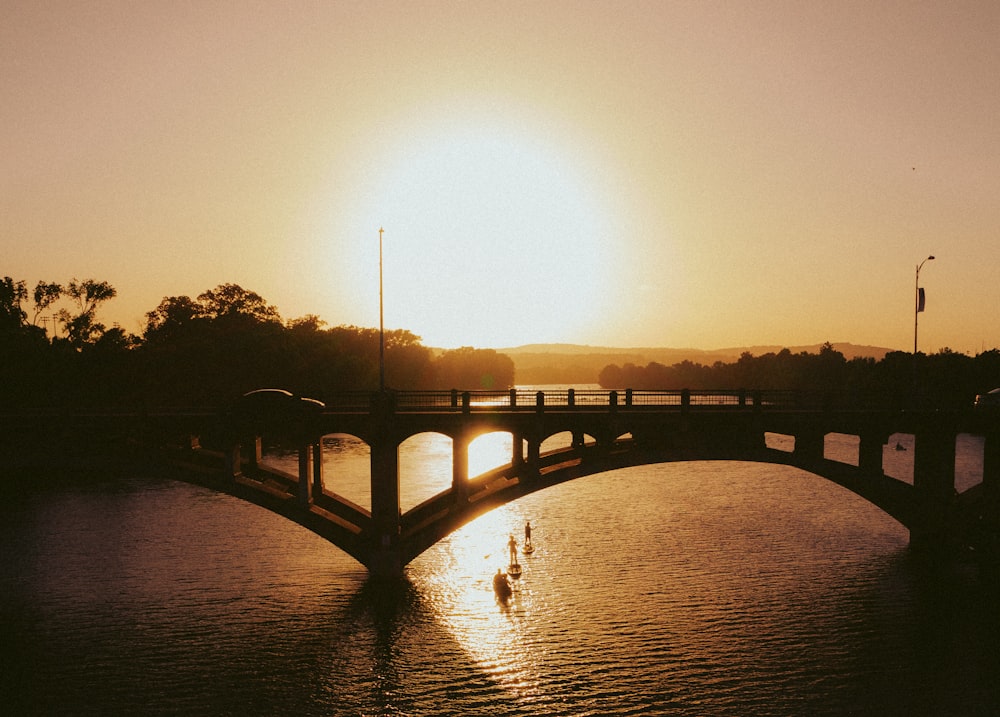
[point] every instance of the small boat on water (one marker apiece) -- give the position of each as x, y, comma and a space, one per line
501, 586
514, 570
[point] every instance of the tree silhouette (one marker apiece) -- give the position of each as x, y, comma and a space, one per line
228, 300
12, 293
81, 328
44, 295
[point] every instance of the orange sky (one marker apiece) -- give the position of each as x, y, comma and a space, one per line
700, 174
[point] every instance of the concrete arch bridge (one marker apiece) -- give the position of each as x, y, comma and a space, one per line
610, 430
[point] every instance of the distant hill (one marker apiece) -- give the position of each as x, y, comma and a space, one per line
573, 363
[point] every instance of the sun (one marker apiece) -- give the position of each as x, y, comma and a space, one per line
496, 235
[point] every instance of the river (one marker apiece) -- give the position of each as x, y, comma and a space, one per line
705, 588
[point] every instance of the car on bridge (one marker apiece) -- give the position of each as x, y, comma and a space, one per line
990, 399
272, 409
276, 400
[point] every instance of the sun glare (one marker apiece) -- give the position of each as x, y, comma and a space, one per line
493, 237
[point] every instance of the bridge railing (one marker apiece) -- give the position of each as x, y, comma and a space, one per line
623, 399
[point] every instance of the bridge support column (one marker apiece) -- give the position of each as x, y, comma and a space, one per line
991, 491
255, 452
385, 558
317, 474
991, 461
534, 455
460, 468
234, 461
305, 474
517, 449
809, 445
870, 452
934, 485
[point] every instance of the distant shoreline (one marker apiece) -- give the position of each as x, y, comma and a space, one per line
578, 364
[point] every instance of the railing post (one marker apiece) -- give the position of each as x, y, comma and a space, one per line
540, 401
466, 402
685, 400
454, 398
513, 398
613, 401
571, 397
628, 396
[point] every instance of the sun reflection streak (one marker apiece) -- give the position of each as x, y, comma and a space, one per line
492, 634
459, 575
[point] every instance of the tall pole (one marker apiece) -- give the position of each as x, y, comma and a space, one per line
916, 304
381, 319
916, 312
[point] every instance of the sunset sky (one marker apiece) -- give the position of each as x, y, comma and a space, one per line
677, 174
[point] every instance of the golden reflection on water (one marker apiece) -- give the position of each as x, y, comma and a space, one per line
459, 575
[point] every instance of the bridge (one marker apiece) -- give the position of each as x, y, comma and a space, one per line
609, 429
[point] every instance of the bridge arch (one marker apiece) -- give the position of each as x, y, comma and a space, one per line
509, 483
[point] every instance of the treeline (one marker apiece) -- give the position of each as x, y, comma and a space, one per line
205, 351
946, 378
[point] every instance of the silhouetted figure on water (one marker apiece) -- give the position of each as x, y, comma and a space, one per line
512, 544
501, 586
527, 534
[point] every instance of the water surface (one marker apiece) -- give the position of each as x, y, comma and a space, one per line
708, 588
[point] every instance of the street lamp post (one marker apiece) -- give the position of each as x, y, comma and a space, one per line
917, 305
381, 320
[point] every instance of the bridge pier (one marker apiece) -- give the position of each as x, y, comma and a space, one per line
517, 449
460, 467
990, 511
809, 445
256, 451
234, 461
317, 474
870, 452
934, 486
385, 559
534, 455
991, 461
304, 490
